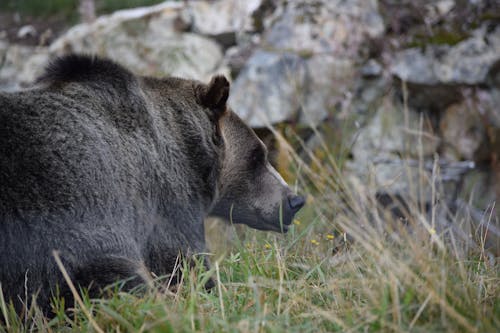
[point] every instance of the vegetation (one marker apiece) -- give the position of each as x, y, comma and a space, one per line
345, 266
67, 8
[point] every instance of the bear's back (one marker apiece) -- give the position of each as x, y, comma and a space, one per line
92, 134
63, 142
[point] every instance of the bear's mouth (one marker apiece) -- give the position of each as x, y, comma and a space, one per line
281, 226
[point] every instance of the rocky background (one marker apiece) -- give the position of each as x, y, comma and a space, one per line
404, 92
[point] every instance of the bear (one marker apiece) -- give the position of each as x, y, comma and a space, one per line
117, 172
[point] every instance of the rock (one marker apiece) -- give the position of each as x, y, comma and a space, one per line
26, 31
489, 100
277, 87
438, 9
443, 7
337, 27
222, 20
463, 131
468, 62
371, 69
381, 144
145, 41
21, 65
388, 134
434, 74
306, 57
265, 92
236, 57
327, 79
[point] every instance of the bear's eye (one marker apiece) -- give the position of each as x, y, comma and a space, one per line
257, 157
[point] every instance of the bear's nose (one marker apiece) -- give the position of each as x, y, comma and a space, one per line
296, 202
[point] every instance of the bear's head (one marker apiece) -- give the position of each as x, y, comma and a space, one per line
251, 191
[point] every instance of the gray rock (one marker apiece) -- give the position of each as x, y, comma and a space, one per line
463, 131
20, 65
306, 57
465, 63
338, 27
237, 56
392, 133
327, 78
145, 40
276, 87
381, 144
371, 69
434, 74
223, 19
26, 31
266, 90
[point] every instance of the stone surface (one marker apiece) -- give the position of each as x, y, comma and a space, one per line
305, 59
236, 57
394, 131
266, 90
20, 65
389, 136
371, 69
434, 73
223, 19
462, 130
145, 41
327, 80
468, 62
334, 26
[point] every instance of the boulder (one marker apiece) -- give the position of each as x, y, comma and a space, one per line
434, 73
146, 41
305, 58
266, 91
20, 65
221, 20
337, 27
462, 131
392, 134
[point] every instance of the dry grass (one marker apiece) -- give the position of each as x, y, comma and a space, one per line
346, 266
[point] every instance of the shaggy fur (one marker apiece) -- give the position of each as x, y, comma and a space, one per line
117, 173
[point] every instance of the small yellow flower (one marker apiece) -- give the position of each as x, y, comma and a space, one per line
267, 246
432, 231
330, 236
314, 242
296, 222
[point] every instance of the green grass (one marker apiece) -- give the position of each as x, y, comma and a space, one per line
68, 7
389, 278
346, 265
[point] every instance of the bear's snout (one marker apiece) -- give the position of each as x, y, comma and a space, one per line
296, 202
293, 204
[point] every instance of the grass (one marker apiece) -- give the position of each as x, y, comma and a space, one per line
385, 276
67, 7
345, 266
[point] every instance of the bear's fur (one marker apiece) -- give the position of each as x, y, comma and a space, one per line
117, 172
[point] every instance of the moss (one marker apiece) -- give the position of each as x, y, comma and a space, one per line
439, 37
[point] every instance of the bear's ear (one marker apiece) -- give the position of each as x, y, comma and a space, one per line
214, 95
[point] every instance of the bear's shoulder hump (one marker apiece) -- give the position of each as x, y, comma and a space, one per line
79, 68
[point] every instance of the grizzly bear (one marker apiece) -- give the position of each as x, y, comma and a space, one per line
116, 172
